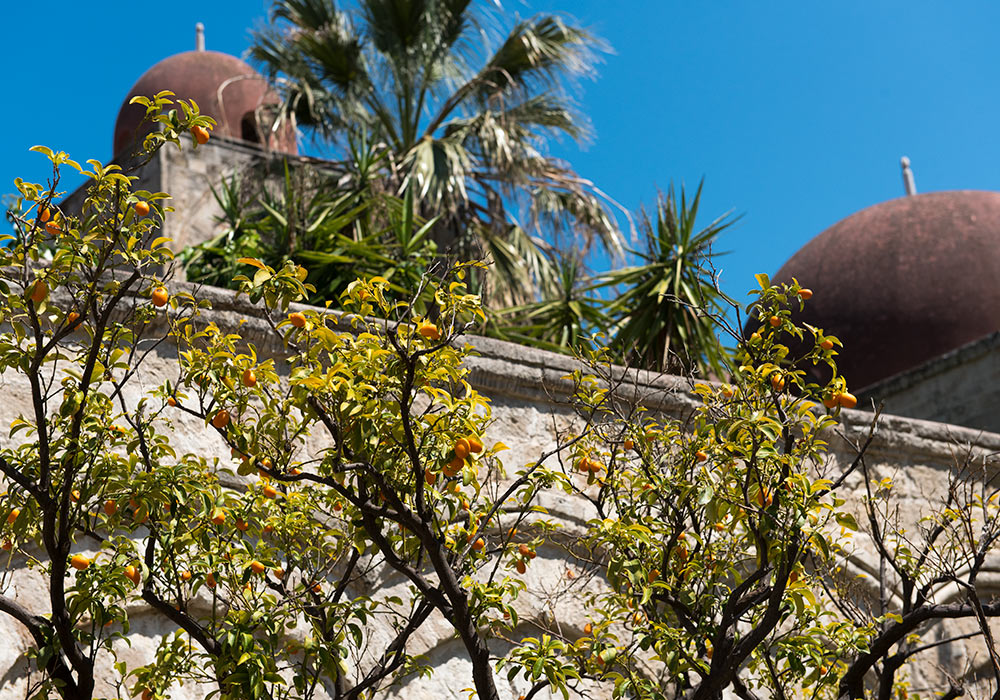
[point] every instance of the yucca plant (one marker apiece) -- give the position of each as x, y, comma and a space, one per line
663, 312
334, 224
565, 321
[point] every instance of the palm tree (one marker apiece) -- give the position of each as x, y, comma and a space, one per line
463, 127
664, 316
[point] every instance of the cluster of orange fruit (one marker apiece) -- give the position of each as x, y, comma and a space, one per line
589, 466
526, 554
461, 450
844, 399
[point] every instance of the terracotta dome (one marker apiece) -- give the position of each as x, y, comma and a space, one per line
225, 88
904, 281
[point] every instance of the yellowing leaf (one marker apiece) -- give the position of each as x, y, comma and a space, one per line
252, 261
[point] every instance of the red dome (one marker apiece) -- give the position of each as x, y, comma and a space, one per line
904, 281
225, 88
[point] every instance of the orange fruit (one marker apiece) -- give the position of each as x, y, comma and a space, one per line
132, 574
279, 573
218, 516
71, 318
52, 228
257, 567
241, 525
171, 401
297, 319
221, 419
653, 575
141, 208
520, 566
38, 291
479, 544
429, 331
475, 444
524, 550
453, 467
727, 392
847, 399
832, 400
12, 516
701, 456
774, 321
430, 477
338, 505
588, 628
210, 580
269, 491
79, 562
584, 464
629, 445
826, 344
44, 214
160, 296
185, 575
793, 577
7, 545
294, 471
777, 381
805, 293
462, 448
74, 495
249, 378
201, 134
147, 694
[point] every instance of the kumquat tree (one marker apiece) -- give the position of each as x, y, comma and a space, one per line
263, 558
728, 541
350, 497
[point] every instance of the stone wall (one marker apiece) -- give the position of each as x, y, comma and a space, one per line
960, 387
189, 176
529, 400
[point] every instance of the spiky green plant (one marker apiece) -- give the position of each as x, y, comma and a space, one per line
663, 314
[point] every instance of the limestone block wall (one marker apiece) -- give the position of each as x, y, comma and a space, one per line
529, 403
189, 176
960, 387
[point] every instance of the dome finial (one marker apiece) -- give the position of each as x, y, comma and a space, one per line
199, 37
908, 182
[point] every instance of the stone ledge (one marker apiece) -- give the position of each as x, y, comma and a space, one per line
501, 368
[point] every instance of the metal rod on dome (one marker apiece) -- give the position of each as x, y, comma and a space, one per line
199, 37
908, 182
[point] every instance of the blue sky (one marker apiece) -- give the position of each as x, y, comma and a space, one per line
795, 113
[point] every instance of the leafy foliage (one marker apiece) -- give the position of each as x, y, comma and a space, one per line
337, 223
718, 544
